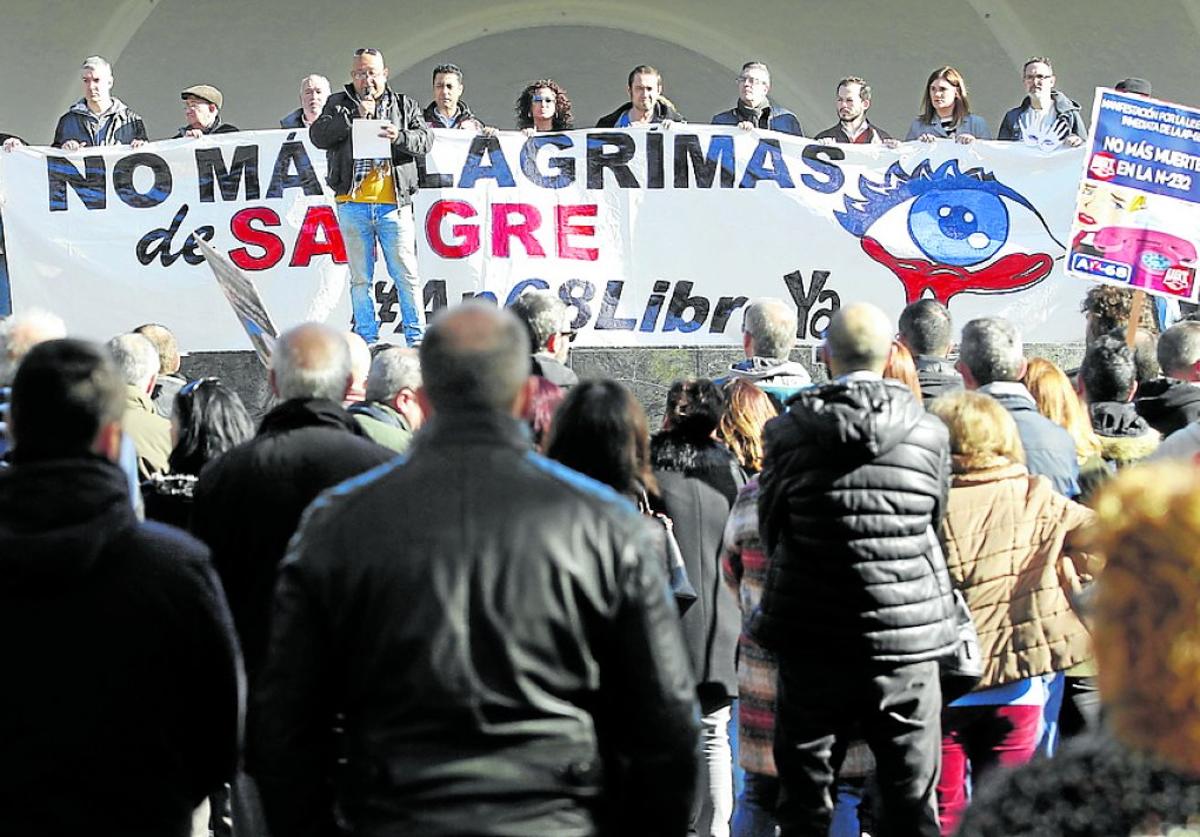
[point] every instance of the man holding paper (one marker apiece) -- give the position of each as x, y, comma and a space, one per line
372, 137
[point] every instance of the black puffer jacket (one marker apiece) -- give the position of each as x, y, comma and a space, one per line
495, 629
332, 129
699, 483
852, 492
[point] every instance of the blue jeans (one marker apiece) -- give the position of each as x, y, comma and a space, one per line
754, 815
363, 224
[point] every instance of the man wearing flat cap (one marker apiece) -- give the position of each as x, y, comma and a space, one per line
1139, 86
202, 110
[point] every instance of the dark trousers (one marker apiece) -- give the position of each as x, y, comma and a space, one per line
896, 711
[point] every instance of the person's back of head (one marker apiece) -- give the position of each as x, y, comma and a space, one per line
769, 325
1107, 372
475, 357
1145, 353
991, 350
209, 418
21, 332
859, 339
393, 370
747, 411
136, 358
544, 315
694, 408
1057, 400
925, 328
1108, 307
164, 343
601, 430
982, 433
1178, 351
66, 392
1146, 630
310, 361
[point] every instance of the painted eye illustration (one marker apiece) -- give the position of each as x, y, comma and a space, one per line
948, 231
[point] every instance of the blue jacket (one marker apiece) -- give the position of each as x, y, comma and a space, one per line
774, 118
121, 125
1049, 449
974, 125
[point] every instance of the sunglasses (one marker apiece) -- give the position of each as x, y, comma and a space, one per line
570, 335
544, 100
367, 51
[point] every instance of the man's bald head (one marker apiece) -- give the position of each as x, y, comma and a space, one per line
859, 339
311, 361
475, 357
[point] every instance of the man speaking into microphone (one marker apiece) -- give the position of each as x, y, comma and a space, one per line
374, 189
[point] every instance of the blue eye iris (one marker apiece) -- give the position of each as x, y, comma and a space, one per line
958, 226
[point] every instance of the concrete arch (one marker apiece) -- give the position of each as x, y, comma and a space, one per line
709, 39
121, 26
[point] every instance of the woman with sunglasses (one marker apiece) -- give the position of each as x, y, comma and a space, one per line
207, 419
544, 106
946, 111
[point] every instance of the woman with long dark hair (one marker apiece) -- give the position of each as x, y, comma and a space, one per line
207, 419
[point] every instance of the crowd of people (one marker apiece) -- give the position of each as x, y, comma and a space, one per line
451, 588
458, 590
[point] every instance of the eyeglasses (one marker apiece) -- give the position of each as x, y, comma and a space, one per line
757, 82
570, 335
191, 386
544, 100
362, 75
1038, 78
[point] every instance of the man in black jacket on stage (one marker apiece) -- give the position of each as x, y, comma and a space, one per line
857, 606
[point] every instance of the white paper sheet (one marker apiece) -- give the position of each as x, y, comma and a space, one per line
366, 142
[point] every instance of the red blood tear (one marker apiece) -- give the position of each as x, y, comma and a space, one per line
1013, 272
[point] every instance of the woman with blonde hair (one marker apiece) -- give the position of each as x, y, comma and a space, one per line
1058, 401
747, 410
1142, 775
1012, 549
901, 367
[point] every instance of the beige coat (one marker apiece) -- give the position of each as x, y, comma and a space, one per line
1010, 549
150, 432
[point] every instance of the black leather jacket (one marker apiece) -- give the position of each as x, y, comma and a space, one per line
331, 131
496, 631
852, 492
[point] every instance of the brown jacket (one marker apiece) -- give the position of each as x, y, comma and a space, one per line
1010, 549
150, 432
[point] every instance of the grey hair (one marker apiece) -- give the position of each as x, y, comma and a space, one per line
991, 349
771, 324
543, 313
391, 371
311, 361
96, 62
475, 357
136, 358
925, 327
1179, 347
314, 76
20, 333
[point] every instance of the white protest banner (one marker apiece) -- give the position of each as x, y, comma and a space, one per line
106, 237
1137, 222
655, 237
